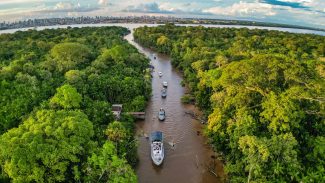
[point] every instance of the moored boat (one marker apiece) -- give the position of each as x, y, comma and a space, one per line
164, 93
161, 114
165, 84
157, 147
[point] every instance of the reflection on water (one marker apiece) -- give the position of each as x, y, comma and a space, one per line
187, 157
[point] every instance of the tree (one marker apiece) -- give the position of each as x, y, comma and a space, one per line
137, 104
99, 112
164, 43
316, 157
73, 76
117, 133
69, 56
270, 159
122, 137
47, 147
105, 166
66, 97
221, 60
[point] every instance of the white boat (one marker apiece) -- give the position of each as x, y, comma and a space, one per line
165, 84
164, 93
161, 114
160, 74
157, 147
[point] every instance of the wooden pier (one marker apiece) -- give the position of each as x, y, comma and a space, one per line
138, 115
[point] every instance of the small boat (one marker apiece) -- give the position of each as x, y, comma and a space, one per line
161, 114
165, 84
164, 93
160, 74
154, 56
157, 147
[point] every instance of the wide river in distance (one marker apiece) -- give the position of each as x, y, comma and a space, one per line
188, 158
135, 25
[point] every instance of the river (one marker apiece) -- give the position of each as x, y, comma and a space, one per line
190, 160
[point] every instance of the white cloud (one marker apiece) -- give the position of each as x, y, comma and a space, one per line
103, 2
69, 7
19, 1
147, 8
72, 14
243, 9
315, 4
181, 8
63, 6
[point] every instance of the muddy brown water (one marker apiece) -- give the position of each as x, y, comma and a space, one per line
188, 160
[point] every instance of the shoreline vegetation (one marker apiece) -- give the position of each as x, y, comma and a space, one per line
56, 91
31, 23
263, 93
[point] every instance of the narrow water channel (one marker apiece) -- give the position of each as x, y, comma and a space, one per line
190, 158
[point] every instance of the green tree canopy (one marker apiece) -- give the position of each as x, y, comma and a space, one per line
47, 146
105, 166
69, 56
44, 70
73, 76
66, 97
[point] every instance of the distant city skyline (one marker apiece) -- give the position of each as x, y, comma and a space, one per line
296, 12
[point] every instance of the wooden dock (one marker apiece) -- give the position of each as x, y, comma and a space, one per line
138, 115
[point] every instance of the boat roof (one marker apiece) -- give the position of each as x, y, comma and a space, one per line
117, 107
156, 136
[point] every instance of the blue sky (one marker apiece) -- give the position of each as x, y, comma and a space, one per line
296, 12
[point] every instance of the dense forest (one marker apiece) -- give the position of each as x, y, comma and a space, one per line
263, 92
56, 91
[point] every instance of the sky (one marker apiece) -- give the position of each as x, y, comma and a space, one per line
295, 12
